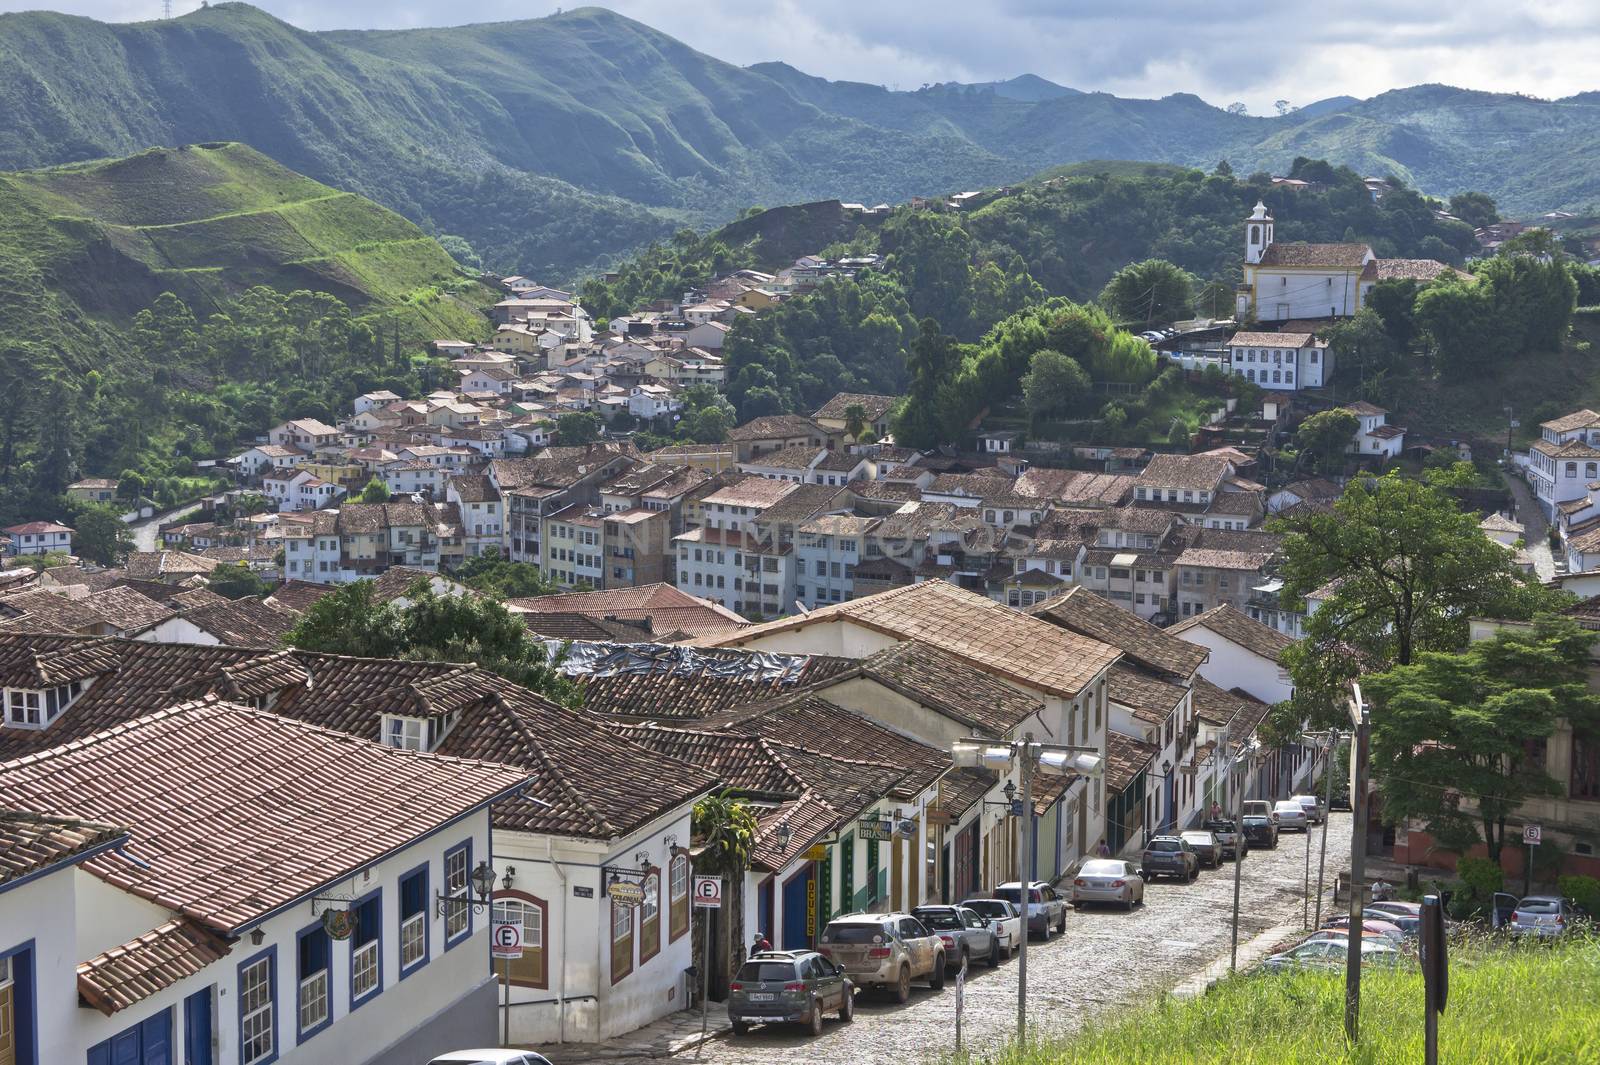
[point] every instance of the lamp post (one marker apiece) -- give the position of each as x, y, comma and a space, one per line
1057, 758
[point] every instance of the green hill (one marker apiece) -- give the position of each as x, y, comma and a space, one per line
553, 144
86, 248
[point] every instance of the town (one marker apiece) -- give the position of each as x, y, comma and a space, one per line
558, 663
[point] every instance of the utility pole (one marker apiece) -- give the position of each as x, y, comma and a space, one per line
1360, 717
1238, 854
1322, 859
1025, 881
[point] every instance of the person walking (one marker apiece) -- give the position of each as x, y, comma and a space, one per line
761, 943
1102, 851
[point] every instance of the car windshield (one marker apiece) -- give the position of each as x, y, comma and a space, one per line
1539, 905
853, 933
1220, 826
1164, 845
1102, 868
1011, 894
1255, 821
939, 918
1198, 837
987, 907
1288, 806
766, 971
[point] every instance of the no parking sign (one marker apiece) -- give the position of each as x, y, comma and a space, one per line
507, 941
708, 892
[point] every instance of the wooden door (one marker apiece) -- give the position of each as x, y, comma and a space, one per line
8, 1016
914, 867
897, 874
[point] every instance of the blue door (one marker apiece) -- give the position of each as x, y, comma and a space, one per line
197, 1028
796, 912
146, 1043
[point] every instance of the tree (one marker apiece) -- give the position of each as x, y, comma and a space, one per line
932, 361
855, 421
494, 576
1363, 342
1476, 209
577, 428
1467, 726
1400, 569
1327, 435
235, 580
1394, 301
349, 621
1149, 292
374, 491
99, 534
1237, 108
1457, 316
1054, 385
1283, 107
725, 828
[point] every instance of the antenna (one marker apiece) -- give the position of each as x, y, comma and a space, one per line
166, 9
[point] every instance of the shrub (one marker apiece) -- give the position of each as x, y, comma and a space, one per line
1482, 878
1584, 890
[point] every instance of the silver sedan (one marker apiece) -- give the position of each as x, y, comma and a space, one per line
1108, 880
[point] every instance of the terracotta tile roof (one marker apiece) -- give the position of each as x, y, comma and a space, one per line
1098, 618
997, 639
30, 843
193, 597
1586, 612
1125, 757
41, 610
1342, 256
747, 765
244, 622
1150, 699
1271, 340
807, 501
1414, 269
292, 806
961, 788
299, 595
807, 819
1239, 628
875, 406
952, 685
128, 974
887, 491
1198, 472
1216, 558
575, 626
474, 488
127, 610
775, 427
156, 565
667, 607
752, 490
796, 457
659, 682
1235, 504
35, 528
1578, 419
1316, 488
1572, 449
1386, 432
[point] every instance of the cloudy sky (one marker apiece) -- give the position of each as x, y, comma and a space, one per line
1222, 50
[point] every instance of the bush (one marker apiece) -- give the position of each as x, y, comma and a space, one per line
1584, 890
1481, 878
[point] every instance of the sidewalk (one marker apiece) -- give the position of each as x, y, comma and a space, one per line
1250, 952
672, 1034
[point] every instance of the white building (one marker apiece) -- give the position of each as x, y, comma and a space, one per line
1565, 460
748, 573
826, 552
338, 929
1283, 362
1245, 654
38, 538
1284, 281
1375, 438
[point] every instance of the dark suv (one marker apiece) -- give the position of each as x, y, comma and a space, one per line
1169, 856
789, 987
1260, 830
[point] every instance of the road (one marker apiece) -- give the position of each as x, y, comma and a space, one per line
1535, 530
146, 531
1107, 958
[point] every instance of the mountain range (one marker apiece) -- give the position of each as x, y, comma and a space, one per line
550, 145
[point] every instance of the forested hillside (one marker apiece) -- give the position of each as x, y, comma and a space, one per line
549, 145
154, 308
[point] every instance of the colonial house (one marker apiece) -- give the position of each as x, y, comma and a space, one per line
307, 434
481, 514
1565, 460
1244, 654
1374, 437
264, 458
875, 410
93, 490
774, 432
38, 538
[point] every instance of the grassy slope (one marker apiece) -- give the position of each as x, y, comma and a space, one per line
83, 248
1512, 1007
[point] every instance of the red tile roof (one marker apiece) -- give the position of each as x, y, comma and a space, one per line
31, 843
128, 974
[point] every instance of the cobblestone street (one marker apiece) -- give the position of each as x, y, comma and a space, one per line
1107, 958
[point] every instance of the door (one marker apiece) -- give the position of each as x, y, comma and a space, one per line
197, 1028
896, 876
8, 1013
146, 1043
914, 871
966, 865
764, 911
798, 904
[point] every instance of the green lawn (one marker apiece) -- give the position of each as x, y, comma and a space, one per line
1524, 1006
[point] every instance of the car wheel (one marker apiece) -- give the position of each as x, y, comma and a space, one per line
847, 1008
740, 1029
936, 978
1129, 904
994, 952
816, 1017
902, 987
1061, 925
1194, 874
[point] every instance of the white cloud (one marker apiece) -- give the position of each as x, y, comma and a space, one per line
1223, 50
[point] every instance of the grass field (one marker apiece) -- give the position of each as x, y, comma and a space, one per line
1533, 1005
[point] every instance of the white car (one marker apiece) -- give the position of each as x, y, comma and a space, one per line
1313, 807
1108, 880
1291, 815
490, 1057
1004, 917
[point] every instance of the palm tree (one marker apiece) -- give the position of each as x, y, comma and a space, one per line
855, 421
725, 830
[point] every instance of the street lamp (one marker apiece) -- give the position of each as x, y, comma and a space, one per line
1055, 758
785, 833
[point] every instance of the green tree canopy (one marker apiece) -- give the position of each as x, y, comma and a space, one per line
1476, 209
235, 580
577, 428
1327, 435
1451, 732
1149, 293
374, 491
1054, 385
498, 577
99, 534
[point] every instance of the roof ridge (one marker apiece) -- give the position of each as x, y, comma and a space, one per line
548, 767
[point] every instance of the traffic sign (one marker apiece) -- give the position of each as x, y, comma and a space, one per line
507, 941
1531, 834
708, 892
626, 892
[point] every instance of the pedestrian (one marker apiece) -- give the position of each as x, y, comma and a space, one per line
1216, 809
1102, 851
761, 943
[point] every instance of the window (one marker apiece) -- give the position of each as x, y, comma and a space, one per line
1585, 780
413, 921
678, 899
516, 907
405, 733
458, 912
257, 1025
316, 991
650, 917
621, 940
366, 945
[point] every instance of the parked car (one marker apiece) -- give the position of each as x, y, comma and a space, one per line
1169, 856
1004, 917
1207, 848
1108, 880
1291, 815
1260, 830
1407, 915
1316, 812
887, 950
490, 1057
1331, 954
1341, 922
1259, 807
1233, 841
1542, 915
966, 935
1046, 908
789, 987
1342, 935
